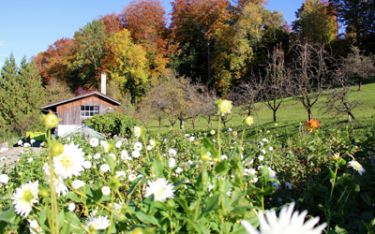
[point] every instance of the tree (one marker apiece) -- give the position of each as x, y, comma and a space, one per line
358, 17
309, 73
89, 53
358, 66
21, 95
316, 22
57, 90
276, 81
127, 64
145, 20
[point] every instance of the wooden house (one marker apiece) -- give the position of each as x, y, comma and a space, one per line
73, 111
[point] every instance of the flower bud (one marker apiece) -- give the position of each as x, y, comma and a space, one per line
205, 156
50, 120
249, 120
137, 231
224, 106
57, 148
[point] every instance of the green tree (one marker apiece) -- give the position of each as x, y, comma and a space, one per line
89, 52
316, 22
21, 95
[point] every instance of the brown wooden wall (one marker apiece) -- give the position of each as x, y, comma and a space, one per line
70, 113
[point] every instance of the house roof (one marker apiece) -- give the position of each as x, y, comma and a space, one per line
94, 93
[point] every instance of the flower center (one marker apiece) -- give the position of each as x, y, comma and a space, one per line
66, 162
27, 196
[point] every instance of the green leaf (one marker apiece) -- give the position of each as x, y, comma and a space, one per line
147, 219
157, 168
8, 216
222, 167
212, 203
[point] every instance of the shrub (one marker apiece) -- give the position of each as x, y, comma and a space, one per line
111, 124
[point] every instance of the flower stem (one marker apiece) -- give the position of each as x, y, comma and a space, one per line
54, 209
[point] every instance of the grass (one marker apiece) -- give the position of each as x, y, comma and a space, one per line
291, 113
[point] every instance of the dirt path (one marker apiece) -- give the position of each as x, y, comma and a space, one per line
11, 155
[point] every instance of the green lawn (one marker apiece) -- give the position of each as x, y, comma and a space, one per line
292, 112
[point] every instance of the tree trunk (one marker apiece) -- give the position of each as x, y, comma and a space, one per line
309, 113
193, 123
350, 116
159, 122
359, 85
181, 123
274, 115
209, 121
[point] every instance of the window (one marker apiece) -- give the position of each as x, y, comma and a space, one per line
88, 111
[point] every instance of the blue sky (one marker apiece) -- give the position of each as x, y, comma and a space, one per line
29, 26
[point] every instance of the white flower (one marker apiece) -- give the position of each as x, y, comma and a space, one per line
125, 156
77, 184
106, 190
288, 222
172, 163
260, 157
191, 139
254, 180
34, 227
212, 132
97, 156
179, 170
263, 151
132, 177
120, 175
149, 147
118, 144
4, 179
30, 160
160, 189
224, 157
94, 142
357, 166
270, 148
100, 223
265, 140
87, 164
71, 207
249, 171
24, 198
104, 145
104, 168
137, 131
152, 142
70, 162
136, 154
172, 152
60, 187
271, 172
137, 146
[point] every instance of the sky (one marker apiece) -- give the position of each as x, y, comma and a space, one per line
29, 26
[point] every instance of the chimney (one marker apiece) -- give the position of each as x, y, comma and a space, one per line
103, 83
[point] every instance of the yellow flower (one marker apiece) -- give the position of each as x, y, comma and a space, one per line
336, 156
224, 106
50, 120
249, 120
57, 148
312, 125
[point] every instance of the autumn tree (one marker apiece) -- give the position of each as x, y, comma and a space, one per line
127, 65
112, 23
145, 20
316, 22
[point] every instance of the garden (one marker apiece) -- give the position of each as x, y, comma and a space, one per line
316, 179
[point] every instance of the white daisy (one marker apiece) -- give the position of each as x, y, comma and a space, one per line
94, 142
288, 222
249, 171
70, 162
24, 198
77, 184
104, 168
105, 146
160, 189
137, 131
172, 163
152, 143
100, 223
260, 157
71, 206
125, 155
106, 190
357, 166
179, 170
132, 177
4, 179
87, 164
60, 187
97, 156
137, 146
34, 227
120, 175
136, 154
172, 152
118, 144
149, 147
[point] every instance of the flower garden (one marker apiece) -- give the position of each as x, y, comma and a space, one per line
246, 180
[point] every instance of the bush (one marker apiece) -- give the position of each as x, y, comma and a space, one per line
111, 124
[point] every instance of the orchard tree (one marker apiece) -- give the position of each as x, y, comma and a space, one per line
310, 74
